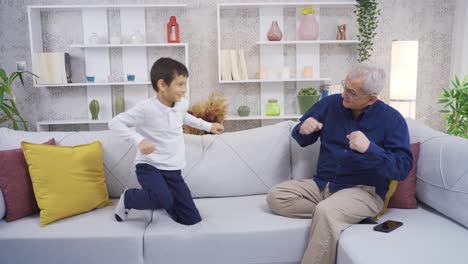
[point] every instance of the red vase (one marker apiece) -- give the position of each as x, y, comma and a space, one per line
309, 28
274, 34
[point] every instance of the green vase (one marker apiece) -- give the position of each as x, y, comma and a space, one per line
94, 109
272, 108
306, 102
119, 105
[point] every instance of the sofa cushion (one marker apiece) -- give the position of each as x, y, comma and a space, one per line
402, 194
239, 163
425, 237
2, 205
405, 194
119, 155
442, 175
15, 182
233, 230
304, 160
92, 238
67, 180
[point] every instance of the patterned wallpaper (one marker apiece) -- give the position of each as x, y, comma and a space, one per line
429, 21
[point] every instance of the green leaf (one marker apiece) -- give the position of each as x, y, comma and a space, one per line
8, 106
3, 76
20, 75
7, 112
457, 81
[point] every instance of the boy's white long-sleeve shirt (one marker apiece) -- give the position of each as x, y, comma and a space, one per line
162, 125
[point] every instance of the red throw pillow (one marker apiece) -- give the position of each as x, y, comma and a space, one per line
16, 185
405, 194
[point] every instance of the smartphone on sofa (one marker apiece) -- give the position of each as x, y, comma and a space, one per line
388, 226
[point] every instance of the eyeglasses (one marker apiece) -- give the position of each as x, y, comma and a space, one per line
351, 93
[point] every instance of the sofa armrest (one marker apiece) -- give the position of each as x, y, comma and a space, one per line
442, 174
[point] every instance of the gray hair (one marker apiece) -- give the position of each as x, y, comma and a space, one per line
374, 77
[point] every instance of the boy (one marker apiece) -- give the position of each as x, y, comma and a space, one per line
160, 142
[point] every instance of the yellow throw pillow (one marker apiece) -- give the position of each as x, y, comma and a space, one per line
391, 190
66, 180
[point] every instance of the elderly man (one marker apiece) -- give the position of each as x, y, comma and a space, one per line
364, 144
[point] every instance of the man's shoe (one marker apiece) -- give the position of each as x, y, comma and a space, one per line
121, 213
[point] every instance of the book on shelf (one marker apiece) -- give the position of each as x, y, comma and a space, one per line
242, 65
225, 66
233, 66
52, 67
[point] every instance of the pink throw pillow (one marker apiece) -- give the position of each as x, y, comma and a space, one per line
405, 194
16, 184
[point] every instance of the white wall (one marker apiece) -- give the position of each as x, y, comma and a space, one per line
429, 21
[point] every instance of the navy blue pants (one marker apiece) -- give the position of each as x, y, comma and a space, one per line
162, 189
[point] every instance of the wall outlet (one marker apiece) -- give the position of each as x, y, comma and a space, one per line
21, 66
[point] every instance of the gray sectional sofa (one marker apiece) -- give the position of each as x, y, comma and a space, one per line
230, 175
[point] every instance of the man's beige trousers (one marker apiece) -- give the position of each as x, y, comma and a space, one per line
331, 213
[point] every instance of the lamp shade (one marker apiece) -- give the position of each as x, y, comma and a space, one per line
403, 76
404, 70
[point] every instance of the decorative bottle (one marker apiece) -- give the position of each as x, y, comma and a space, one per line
274, 34
173, 31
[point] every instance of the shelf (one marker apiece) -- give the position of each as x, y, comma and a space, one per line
294, 42
107, 6
259, 117
140, 45
277, 80
71, 122
44, 125
290, 4
91, 84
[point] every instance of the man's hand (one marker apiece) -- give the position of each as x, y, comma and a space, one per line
217, 128
309, 126
146, 147
358, 141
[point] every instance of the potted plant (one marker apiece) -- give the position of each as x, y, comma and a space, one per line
367, 14
8, 109
455, 101
306, 98
243, 110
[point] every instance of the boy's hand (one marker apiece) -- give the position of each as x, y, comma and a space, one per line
217, 128
146, 147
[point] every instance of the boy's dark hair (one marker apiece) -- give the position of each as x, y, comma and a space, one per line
166, 69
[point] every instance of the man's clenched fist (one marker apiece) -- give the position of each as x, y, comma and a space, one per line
358, 141
309, 126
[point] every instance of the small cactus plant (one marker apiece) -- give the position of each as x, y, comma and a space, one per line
243, 110
94, 109
119, 105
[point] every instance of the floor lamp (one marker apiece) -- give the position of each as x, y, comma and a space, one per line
403, 77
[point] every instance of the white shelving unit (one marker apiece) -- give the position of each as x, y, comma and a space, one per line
97, 56
272, 52
45, 125
83, 46
294, 42
259, 117
277, 80
92, 84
